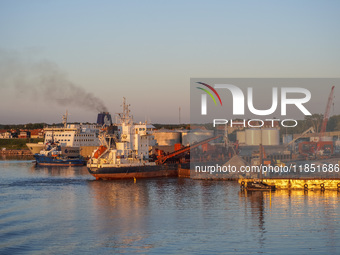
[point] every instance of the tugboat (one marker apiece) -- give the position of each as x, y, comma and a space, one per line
257, 186
125, 152
53, 155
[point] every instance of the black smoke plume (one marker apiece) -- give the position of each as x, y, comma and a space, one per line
45, 80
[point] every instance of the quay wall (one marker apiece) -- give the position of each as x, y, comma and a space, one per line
300, 184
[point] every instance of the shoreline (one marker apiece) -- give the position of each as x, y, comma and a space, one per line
16, 152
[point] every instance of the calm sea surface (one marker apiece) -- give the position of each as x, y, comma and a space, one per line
57, 210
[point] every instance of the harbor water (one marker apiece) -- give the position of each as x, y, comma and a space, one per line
64, 210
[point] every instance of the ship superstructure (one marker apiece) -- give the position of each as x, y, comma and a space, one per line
85, 137
73, 135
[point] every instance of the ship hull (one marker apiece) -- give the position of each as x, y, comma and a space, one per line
51, 161
128, 172
35, 147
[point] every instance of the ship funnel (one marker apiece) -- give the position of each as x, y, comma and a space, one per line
104, 118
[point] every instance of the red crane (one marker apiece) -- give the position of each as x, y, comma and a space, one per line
326, 146
327, 112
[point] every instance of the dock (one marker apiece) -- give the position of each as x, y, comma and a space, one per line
297, 183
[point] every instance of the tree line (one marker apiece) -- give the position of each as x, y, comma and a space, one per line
314, 121
29, 126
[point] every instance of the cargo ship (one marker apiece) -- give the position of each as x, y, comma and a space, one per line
126, 151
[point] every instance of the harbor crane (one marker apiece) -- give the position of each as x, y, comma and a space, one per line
327, 113
320, 148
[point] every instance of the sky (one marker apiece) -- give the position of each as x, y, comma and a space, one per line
85, 56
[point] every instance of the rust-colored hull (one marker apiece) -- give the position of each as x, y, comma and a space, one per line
184, 173
114, 173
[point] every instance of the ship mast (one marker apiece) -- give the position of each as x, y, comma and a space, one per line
65, 119
125, 115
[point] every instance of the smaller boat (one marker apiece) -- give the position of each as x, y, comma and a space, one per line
53, 155
258, 185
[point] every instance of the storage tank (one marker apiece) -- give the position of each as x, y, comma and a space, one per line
270, 136
194, 136
186, 138
253, 136
241, 137
167, 137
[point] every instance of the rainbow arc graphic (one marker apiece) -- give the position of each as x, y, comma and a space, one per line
204, 97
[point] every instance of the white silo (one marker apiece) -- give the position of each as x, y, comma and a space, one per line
241, 137
270, 136
194, 136
167, 137
253, 136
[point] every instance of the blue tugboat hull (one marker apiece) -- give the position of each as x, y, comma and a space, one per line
43, 160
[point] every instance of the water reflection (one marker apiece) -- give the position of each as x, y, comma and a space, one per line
121, 208
143, 216
257, 202
16, 157
64, 171
63, 209
303, 213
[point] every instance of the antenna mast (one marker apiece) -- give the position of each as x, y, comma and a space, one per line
179, 115
65, 119
125, 115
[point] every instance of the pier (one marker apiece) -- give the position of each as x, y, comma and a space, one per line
297, 184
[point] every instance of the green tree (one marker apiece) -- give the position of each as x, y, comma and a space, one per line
333, 123
314, 121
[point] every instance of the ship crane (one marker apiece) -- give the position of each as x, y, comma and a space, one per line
162, 159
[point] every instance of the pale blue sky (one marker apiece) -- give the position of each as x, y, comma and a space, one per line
147, 51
